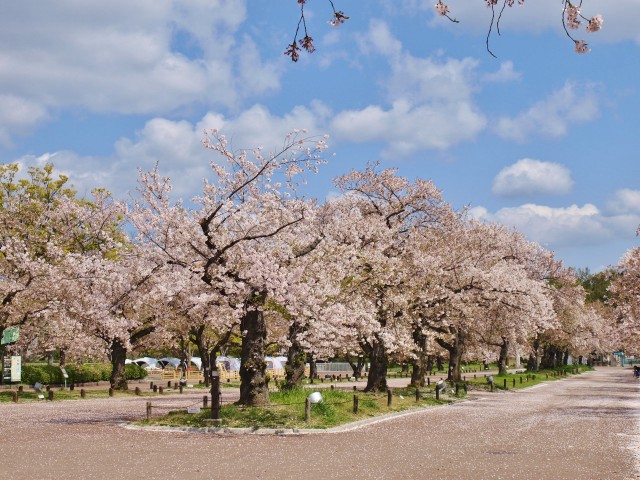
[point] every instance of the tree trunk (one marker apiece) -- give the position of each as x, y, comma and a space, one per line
1, 357
502, 360
565, 358
198, 337
294, 369
377, 379
356, 366
313, 367
253, 368
439, 362
456, 350
549, 357
533, 363
63, 358
420, 364
430, 361
118, 378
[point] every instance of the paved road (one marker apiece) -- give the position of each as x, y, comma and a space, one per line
585, 427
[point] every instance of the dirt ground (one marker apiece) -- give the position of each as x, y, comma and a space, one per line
584, 427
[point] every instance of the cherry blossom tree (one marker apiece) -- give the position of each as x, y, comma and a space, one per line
111, 288
625, 287
474, 284
195, 314
41, 221
231, 236
383, 213
624, 291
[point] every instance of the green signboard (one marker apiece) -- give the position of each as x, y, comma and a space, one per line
10, 335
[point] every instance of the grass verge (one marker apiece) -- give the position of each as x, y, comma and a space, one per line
287, 410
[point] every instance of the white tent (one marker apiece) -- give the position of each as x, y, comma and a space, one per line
197, 361
169, 361
275, 362
146, 362
229, 363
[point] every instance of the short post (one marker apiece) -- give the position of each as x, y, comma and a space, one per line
151, 386
389, 397
155, 389
137, 391
307, 410
205, 401
169, 384
457, 389
333, 387
437, 392
51, 395
215, 394
110, 392
514, 383
464, 385
148, 411
72, 387
355, 388
20, 389
417, 395
505, 383
14, 396
474, 375
355, 403
83, 393
520, 380
428, 381
181, 388
160, 390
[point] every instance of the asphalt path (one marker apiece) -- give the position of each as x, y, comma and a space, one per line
582, 427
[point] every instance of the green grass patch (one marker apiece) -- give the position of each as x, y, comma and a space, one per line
287, 410
29, 395
514, 381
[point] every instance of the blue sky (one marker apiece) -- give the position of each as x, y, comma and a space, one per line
539, 138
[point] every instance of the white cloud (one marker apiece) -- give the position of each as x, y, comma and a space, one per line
625, 201
406, 128
430, 102
18, 115
553, 116
177, 147
129, 57
532, 177
555, 228
504, 74
379, 39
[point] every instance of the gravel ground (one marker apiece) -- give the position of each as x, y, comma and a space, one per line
585, 427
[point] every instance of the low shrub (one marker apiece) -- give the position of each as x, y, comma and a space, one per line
88, 372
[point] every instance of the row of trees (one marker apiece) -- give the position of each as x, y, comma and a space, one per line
387, 271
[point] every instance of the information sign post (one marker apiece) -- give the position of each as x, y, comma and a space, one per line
16, 368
